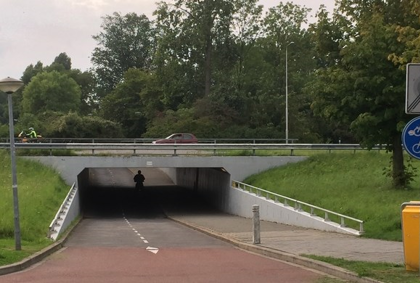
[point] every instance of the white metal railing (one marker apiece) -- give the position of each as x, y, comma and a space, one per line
298, 205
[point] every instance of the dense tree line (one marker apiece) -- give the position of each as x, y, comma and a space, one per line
218, 69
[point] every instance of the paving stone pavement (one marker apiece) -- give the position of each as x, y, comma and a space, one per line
295, 240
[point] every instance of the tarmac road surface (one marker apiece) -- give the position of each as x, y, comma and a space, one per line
126, 237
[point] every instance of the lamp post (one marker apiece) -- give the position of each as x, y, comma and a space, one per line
287, 99
9, 86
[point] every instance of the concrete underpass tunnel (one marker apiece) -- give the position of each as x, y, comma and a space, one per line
110, 192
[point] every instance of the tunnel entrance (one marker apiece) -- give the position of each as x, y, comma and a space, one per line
111, 193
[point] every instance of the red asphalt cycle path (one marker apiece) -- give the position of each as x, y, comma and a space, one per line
171, 265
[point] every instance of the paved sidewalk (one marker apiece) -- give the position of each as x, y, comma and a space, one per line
295, 240
290, 243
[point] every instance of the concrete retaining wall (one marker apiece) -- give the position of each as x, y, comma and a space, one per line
240, 202
239, 167
214, 186
73, 211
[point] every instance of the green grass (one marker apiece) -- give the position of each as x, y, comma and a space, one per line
350, 184
40, 193
45, 152
353, 184
290, 152
385, 272
9, 255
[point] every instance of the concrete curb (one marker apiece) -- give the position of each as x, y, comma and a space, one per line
284, 256
33, 259
38, 256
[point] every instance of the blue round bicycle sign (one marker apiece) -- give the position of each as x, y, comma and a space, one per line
411, 137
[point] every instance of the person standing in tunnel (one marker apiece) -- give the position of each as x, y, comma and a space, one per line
139, 179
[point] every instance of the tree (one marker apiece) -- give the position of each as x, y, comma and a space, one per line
232, 74
51, 91
125, 42
284, 29
31, 71
133, 103
409, 35
191, 34
88, 97
357, 84
71, 125
61, 63
327, 35
224, 53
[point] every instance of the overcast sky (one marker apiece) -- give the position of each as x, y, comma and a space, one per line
39, 30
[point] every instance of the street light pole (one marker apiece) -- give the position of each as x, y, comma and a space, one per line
9, 86
287, 98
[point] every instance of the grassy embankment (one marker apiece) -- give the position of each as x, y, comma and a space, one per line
347, 183
354, 185
41, 192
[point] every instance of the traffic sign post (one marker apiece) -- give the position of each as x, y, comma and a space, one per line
411, 132
412, 98
411, 143
411, 137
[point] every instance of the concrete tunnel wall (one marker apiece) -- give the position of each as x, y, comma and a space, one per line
210, 176
239, 167
214, 186
83, 182
212, 183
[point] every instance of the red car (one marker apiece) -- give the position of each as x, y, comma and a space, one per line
178, 138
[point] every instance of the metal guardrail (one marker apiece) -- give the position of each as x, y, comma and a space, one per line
298, 205
144, 140
149, 148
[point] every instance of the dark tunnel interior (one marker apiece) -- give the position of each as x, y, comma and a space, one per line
107, 197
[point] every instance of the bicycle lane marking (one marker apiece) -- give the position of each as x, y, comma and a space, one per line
150, 249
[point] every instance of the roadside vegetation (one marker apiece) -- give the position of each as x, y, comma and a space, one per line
355, 185
41, 192
384, 272
44, 152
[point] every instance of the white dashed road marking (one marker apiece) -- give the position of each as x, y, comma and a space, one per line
154, 250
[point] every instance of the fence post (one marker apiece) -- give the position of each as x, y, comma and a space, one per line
256, 224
